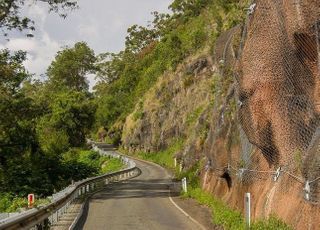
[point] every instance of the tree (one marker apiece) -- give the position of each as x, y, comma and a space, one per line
110, 66
70, 67
70, 119
189, 8
161, 23
18, 142
139, 37
11, 18
15, 108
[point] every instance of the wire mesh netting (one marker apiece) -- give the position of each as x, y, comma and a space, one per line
267, 98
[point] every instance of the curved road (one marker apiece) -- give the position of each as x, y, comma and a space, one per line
141, 203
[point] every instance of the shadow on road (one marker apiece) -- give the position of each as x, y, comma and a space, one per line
138, 189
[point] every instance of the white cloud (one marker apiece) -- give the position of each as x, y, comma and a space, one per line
40, 51
92, 81
37, 12
42, 55
87, 31
101, 23
25, 44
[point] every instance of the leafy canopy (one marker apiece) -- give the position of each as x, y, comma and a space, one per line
11, 18
70, 67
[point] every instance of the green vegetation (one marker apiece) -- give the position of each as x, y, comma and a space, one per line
9, 203
192, 117
138, 114
11, 18
76, 164
229, 218
163, 158
40, 122
150, 51
271, 223
222, 215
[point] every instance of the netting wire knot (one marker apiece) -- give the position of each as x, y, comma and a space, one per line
251, 8
228, 168
277, 174
208, 165
307, 190
240, 173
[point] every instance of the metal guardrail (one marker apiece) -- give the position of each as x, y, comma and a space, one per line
43, 217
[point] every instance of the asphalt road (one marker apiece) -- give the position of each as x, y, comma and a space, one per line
141, 203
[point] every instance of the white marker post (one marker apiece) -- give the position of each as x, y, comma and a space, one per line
175, 162
184, 184
247, 211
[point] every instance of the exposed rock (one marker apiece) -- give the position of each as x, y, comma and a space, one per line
197, 66
166, 109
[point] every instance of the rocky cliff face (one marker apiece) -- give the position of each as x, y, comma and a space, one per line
246, 111
171, 107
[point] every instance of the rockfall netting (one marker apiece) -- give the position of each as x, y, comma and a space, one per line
267, 98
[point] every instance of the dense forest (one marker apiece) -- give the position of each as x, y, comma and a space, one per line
44, 124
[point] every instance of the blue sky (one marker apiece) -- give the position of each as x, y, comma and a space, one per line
100, 23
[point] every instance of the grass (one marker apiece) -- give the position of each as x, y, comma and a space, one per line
163, 158
192, 117
111, 165
231, 219
10, 203
222, 214
99, 164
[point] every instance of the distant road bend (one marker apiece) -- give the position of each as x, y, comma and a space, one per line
141, 203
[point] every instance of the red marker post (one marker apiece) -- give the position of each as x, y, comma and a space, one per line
30, 200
